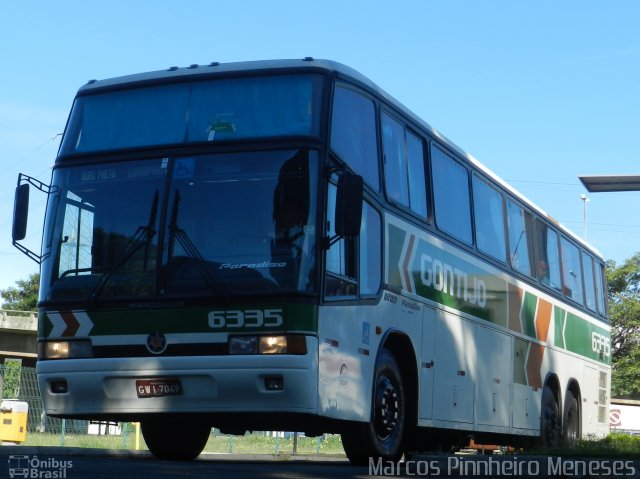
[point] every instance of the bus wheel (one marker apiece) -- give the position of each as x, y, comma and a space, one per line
175, 438
571, 422
549, 418
383, 436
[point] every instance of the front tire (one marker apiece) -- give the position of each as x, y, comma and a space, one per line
175, 438
383, 436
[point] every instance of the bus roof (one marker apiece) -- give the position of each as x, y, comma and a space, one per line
310, 64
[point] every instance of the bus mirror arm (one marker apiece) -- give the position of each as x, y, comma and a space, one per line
21, 212
348, 214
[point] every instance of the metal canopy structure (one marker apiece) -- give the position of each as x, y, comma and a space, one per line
599, 184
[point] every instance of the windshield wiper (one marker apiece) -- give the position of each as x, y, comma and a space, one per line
177, 233
142, 237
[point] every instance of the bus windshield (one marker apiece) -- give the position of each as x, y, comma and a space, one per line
209, 225
196, 111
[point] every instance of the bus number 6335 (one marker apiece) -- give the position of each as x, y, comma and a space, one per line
250, 318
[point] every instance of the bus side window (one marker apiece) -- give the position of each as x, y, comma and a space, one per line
600, 300
518, 223
340, 257
547, 256
370, 251
571, 271
395, 161
353, 133
417, 174
451, 195
404, 171
488, 210
589, 281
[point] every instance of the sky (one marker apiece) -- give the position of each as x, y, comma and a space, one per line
540, 91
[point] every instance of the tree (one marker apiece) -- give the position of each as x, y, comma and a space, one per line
24, 297
11, 378
624, 308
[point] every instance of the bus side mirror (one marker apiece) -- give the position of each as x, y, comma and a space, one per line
20, 212
349, 197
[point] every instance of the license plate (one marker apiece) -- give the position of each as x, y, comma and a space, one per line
153, 388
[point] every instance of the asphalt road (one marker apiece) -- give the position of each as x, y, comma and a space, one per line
72, 463
66, 463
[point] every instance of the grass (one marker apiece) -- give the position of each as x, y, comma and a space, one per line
78, 440
614, 445
257, 444
248, 444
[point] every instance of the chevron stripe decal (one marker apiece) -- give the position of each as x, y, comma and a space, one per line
70, 323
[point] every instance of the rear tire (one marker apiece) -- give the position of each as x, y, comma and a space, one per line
550, 426
383, 436
571, 421
175, 438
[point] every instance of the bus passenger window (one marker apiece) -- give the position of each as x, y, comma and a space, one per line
353, 133
571, 271
600, 300
589, 281
451, 194
404, 166
395, 161
417, 175
370, 251
519, 237
488, 211
547, 256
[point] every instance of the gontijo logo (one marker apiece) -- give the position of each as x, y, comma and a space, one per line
450, 280
440, 272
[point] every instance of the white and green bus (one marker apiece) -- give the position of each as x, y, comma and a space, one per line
280, 245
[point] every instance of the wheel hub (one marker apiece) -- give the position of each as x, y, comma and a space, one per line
387, 408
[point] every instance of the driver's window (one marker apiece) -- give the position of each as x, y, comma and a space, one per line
356, 260
77, 236
340, 258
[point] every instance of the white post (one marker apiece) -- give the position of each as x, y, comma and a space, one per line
584, 199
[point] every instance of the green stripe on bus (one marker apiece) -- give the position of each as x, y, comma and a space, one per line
520, 361
451, 280
585, 339
396, 241
528, 314
558, 320
296, 317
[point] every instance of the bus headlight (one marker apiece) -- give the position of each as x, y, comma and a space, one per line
273, 345
73, 349
281, 344
290, 344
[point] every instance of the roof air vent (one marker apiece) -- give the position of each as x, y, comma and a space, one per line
193, 65
172, 69
214, 64
308, 59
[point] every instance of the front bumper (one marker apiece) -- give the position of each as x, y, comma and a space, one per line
210, 384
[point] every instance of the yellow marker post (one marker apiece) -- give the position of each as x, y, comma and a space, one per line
137, 425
